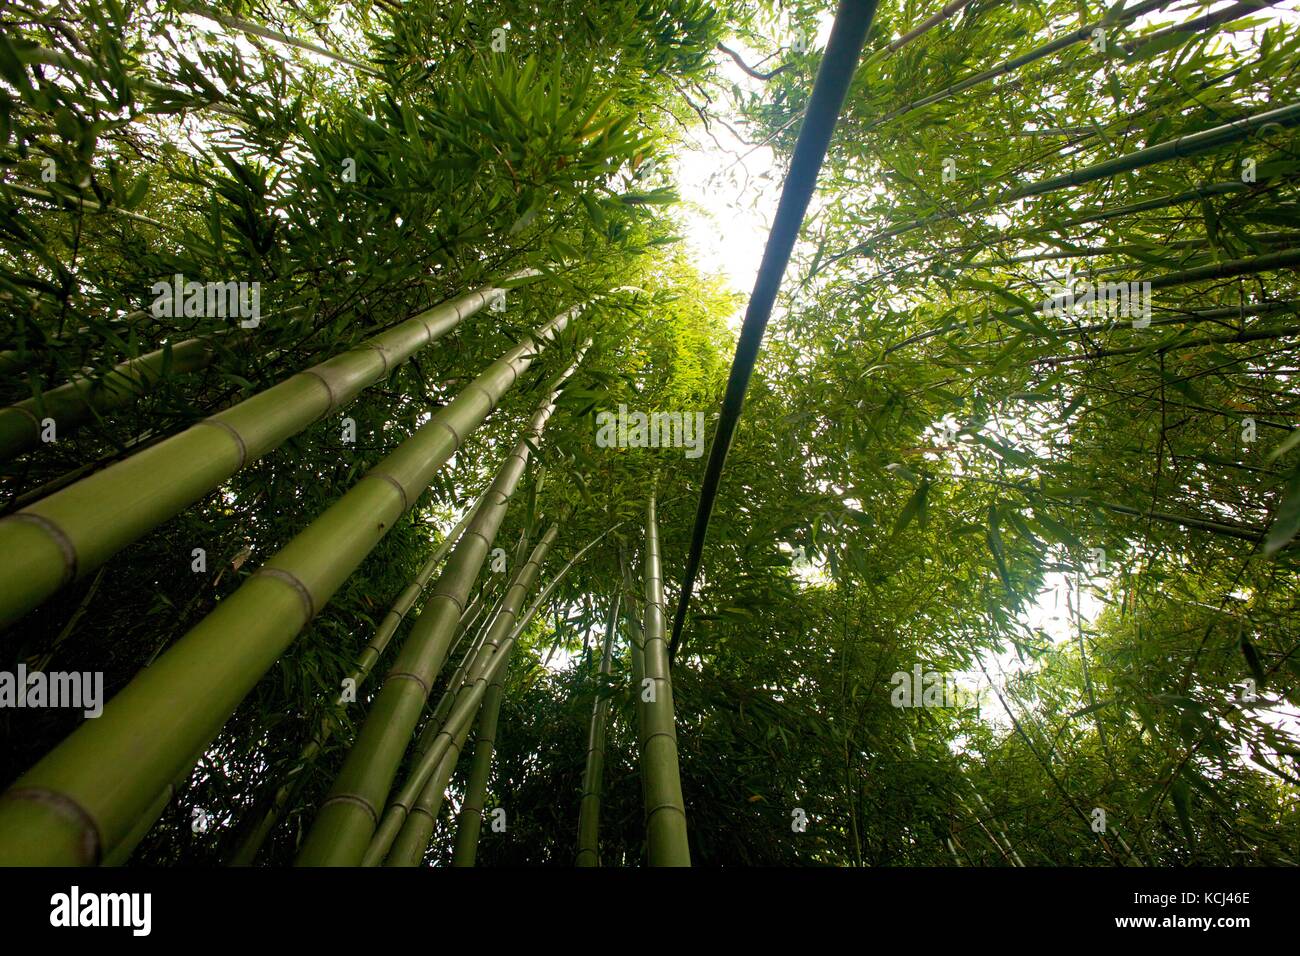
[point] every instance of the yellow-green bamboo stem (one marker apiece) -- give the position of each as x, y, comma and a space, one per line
72, 532
462, 711
72, 404
470, 820
86, 795
343, 827
665, 811
589, 807
413, 839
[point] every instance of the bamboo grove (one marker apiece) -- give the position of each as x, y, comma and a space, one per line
312, 321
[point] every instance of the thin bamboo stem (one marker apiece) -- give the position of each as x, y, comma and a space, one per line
1191, 144
589, 807
462, 713
347, 819
665, 811
72, 404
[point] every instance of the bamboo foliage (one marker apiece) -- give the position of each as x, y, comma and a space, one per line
113, 768
589, 808
344, 825
73, 531
665, 811
75, 402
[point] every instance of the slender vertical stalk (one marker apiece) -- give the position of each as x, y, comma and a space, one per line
413, 839
264, 819
87, 794
589, 808
468, 697
665, 811
346, 821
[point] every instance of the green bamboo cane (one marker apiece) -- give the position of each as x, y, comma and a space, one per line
83, 797
257, 30
1230, 269
408, 848
589, 807
1122, 248
436, 725
256, 833
471, 812
956, 6
72, 532
412, 840
72, 404
470, 820
1252, 335
346, 820
635, 652
665, 811
1116, 212
1192, 144
380, 838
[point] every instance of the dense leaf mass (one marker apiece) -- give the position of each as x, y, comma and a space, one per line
1087, 509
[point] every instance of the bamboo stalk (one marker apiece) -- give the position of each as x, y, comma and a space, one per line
954, 7
1251, 335
72, 532
83, 797
1191, 144
665, 812
589, 807
31, 192
72, 404
1269, 261
253, 29
416, 828
635, 651
256, 832
470, 820
424, 759
347, 819
399, 807
411, 842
